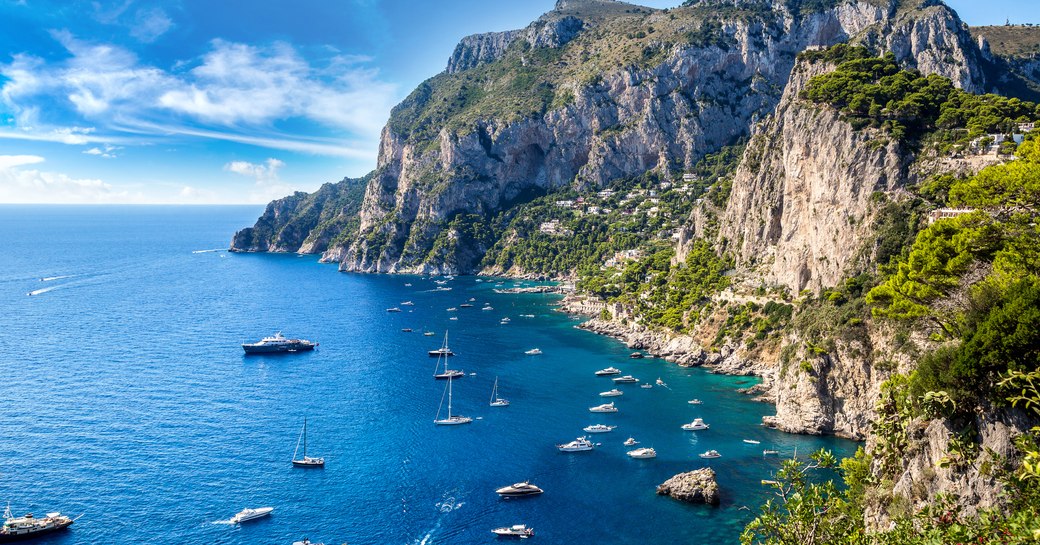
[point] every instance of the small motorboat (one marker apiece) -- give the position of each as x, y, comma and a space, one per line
642, 453
646, 386
488, 308
533, 352
517, 530
604, 408
752, 442
631, 441
580, 444
627, 379
393, 309
769, 452
695, 402
599, 428
504, 321
407, 304
452, 309
711, 454
661, 383
612, 393
407, 285
406, 330
697, 425
454, 318
527, 315
519, 490
428, 333
636, 355
769, 482
251, 514
608, 371
465, 305
306, 542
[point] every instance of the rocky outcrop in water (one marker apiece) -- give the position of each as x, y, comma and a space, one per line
697, 486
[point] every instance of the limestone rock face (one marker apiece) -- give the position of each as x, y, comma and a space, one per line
800, 210
693, 487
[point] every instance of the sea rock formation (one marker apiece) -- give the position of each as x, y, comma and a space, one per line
697, 486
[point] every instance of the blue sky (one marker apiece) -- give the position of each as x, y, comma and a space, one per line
191, 101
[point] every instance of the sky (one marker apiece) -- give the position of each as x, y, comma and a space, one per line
207, 102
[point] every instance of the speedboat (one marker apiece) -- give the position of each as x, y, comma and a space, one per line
251, 514
646, 386
517, 530
642, 453
752, 442
452, 309
769, 452
636, 355
580, 444
465, 305
527, 315
488, 308
454, 318
695, 402
612, 393
519, 490
533, 352
393, 309
661, 382
306, 542
631, 441
407, 304
627, 379
599, 428
711, 454
406, 330
407, 285
604, 408
697, 425
505, 320
608, 371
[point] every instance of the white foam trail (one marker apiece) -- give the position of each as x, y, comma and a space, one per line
207, 251
53, 278
42, 290
228, 522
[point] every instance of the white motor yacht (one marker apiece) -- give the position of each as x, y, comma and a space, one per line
711, 454
604, 408
646, 386
580, 444
752, 442
695, 402
631, 441
627, 379
661, 383
608, 371
251, 514
518, 490
642, 453
393, 309
697, 425
407, 304
612, 393
533, 352
599, 428
517, 530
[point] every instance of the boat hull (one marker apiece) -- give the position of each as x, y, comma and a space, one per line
279, 349
308, 464
57, 527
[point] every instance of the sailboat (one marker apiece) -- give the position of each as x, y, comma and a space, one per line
444, 353
306, 461
451, 420
495, 400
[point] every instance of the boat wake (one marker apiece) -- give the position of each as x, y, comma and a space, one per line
447, 504
42, 290
226, 522
208, 251
53, 278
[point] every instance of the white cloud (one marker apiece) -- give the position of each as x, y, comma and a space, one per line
236, 92
268, 185
20, 185
150, 23
107, 151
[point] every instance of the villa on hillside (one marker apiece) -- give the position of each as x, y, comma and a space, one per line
944, 213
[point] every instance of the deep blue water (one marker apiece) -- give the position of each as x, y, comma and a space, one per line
127, 398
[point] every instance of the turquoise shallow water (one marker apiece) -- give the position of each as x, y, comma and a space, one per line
127, 398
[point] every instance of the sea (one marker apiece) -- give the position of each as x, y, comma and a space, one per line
127, 401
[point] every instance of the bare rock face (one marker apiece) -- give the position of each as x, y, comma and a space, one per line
693, 487
800, 210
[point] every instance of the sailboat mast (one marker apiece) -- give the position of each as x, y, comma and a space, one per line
305, 437
449, 397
